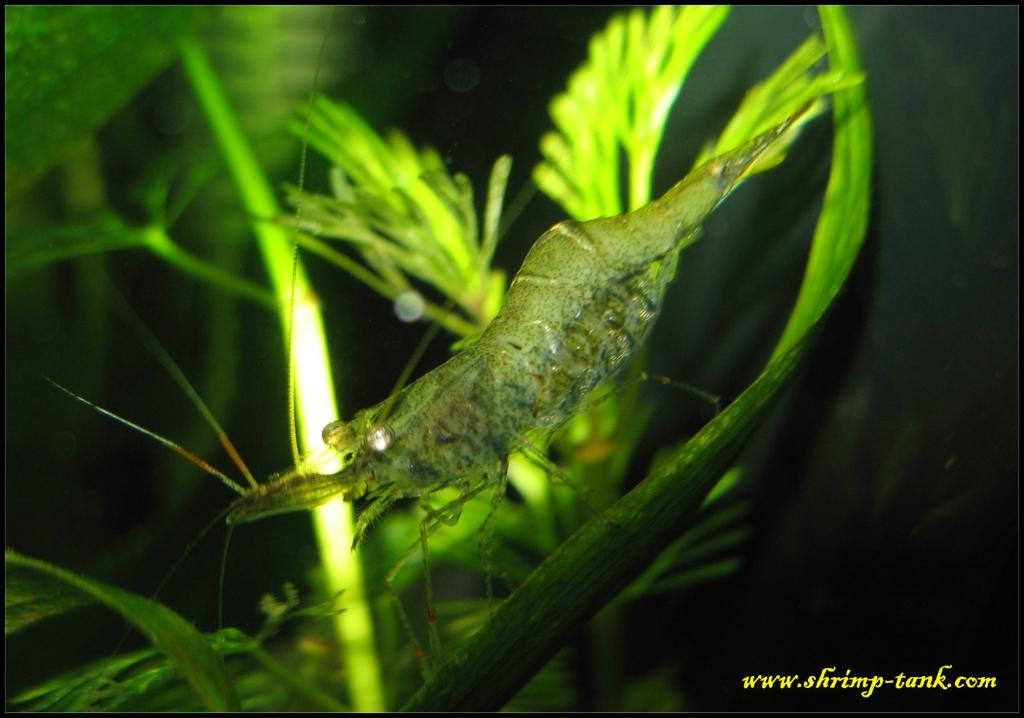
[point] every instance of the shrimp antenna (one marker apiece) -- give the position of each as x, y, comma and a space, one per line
293, 428
177, 562
189, 548
225, 479
223, 569
172, 368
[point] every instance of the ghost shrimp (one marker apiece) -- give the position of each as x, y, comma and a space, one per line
583, 301
585, 298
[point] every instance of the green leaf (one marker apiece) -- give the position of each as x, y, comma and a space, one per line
844, 219
68, 69
606, 554
145, 680
792, 86
39, 583
719, 532
107, 232
32, 597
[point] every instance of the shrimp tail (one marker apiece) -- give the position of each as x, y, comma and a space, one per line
690, 201
673, 221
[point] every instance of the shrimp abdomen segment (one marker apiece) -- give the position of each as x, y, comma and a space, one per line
587, 293
560, 271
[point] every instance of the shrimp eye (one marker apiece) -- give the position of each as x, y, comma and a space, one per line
379, 438
336, 433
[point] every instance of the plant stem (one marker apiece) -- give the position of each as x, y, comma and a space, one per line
316, 405
160, 243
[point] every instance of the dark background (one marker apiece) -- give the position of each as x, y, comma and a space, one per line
884, 487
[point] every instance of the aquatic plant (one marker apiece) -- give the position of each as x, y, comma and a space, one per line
616, 106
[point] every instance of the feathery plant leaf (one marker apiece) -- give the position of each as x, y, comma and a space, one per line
716, 536
619, 101
134, 680
106, 232
409, 219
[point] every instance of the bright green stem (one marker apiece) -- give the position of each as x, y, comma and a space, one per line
316, 405
160, 243
641, 170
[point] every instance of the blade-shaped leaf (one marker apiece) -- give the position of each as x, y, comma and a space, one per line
168, 631
104, 56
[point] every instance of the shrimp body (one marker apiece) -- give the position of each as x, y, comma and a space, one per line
585, 298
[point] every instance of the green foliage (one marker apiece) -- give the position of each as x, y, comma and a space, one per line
405, 214
415, 225
35, 584
144, 680
844, 219
611, 550
619, 102
688, 560
794, 84
104, 685
106, 55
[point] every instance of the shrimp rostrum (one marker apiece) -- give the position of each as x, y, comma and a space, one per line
585, 298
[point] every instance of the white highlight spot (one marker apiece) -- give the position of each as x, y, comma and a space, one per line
409, 306
379, 439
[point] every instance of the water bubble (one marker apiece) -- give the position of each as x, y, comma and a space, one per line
461, 74
409, 306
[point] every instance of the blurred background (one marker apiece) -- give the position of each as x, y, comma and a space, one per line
882, 492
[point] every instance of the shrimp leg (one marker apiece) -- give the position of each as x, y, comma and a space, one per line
434, 518
486, 533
